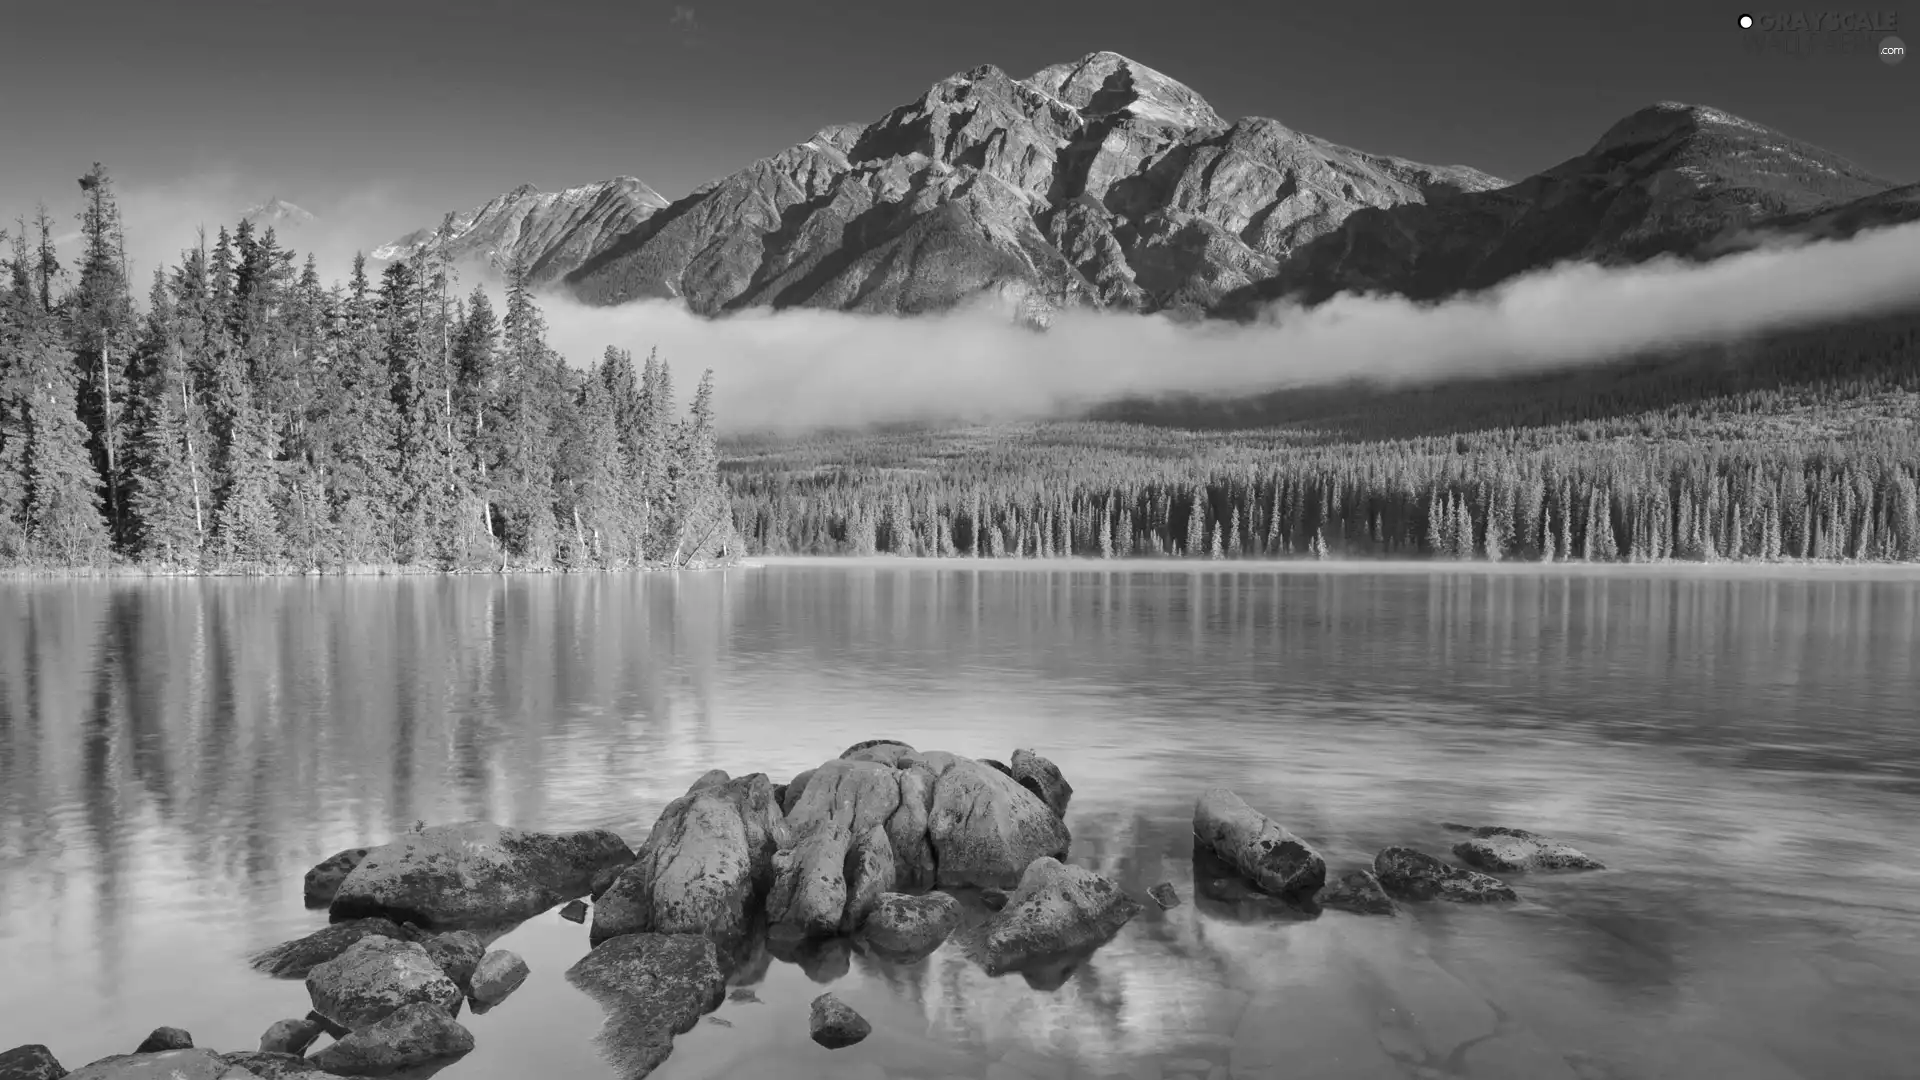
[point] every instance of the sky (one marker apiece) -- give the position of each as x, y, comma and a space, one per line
379, 117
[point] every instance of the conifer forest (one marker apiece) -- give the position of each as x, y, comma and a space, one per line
250, 418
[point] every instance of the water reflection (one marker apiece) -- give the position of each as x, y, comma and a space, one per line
174, 754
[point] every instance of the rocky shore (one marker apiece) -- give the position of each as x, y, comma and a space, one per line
871, 851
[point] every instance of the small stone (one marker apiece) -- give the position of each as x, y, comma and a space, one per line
906, 929
719, 1021
1359, 892
289, 1037
1164, 895
1504, 850
165, 1038
30, 1062
833, 1023
743, 995
376, 977
418, 1034
498, 974
574, 911
456, 954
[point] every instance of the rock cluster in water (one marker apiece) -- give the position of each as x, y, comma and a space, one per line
867, 851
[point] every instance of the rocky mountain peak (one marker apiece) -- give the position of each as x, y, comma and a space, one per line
1103, 84
1667, 120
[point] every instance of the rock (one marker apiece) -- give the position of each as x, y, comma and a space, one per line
1504, 850
823, 960
792, 791
704, 869
744, 995
274, 1066
293, 959
652, 987
809, 895
1057, 909
323, 881
834, 1025
476, 874
332, 1029
906, 929
498, 974
869, 744
456, 954
993, 899
1044, 779
1414, 875
719, 1021
289, 1037
914, 867
985, 828
1359, 892
575, 910
1271, 857
30, 1062
375, 978
869, 876
551, 231
165, 1038
998, 766
1164, 895
184, 1064
412, 1036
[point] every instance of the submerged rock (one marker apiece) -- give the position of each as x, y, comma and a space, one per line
1506, 850
1359, 892
1044, 779
1164, 895
165, 1038
293, 959
289, 1037
499, 974
1415, 875
185, 1064
993, 899
376, 978
743, 995
652, 987
833, 1023
704, 869
576, 910
323, 881
411, 1037
1257, 847
30, 1062
906, 929
456, 954
476, 873
1057, 909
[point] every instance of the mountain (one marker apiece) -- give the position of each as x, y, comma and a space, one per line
1105, 182
279, 213
553, 231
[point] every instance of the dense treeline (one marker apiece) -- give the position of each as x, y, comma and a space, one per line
252, 419
1809, 449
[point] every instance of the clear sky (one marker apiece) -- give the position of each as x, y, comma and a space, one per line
378, 116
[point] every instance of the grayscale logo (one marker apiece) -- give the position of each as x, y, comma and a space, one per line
1892, 50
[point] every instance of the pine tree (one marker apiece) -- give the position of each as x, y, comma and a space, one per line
167, 489
246, 526
103, 323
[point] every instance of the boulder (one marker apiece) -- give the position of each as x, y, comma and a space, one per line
809, 894
376, 978
499, 974
476, 874
998, 766
1279, 862
906, 929
165, 1038
293, 959
456, 953
1415, 875
274, 1066
411, 1037
704, 868
185, 1064
985, 828
1509, 851
576, 910
652, 987
1359, 892
30, 1062
914, 867
1164, 895
332, 1029
1044, 779
323, 881
1057, 909
289, 1037
791, 791
833, 1023
860, 748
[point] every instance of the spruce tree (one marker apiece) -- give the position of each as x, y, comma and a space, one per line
246, 526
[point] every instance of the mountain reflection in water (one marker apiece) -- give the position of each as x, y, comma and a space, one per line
1740, 750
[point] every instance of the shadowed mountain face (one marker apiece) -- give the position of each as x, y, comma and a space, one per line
550, 231
1104, 182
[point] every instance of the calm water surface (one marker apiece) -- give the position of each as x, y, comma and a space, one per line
1744, 752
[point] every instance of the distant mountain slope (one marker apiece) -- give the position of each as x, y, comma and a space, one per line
553, 231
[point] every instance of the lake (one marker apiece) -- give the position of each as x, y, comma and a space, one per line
1741, 749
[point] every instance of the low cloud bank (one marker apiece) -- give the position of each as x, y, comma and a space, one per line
794, 370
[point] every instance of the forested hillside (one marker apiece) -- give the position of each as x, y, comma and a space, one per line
253, 419
1803, 447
